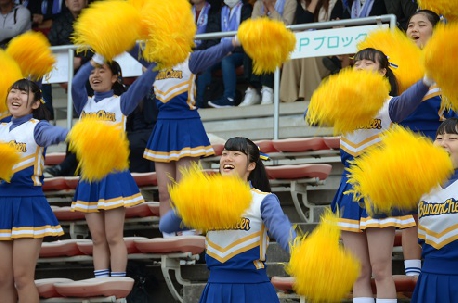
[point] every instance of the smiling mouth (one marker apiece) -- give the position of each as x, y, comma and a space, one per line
228, 166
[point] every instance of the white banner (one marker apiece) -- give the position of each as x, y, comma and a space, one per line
129, 67
330, 42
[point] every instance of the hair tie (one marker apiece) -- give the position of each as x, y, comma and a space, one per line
263, 156
442, 19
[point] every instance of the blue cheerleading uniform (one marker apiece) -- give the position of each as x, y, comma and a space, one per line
438, 234
179, 132
353, 217
117, 189
236, 257
428, 115
5, 117
426, 119
24, 210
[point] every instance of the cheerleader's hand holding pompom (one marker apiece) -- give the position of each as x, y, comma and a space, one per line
97, 59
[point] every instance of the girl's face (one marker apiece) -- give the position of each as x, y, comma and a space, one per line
450, 143
102, 79
235, 163
419, 29
20, 102
369, 65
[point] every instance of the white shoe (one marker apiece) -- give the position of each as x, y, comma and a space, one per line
251, 97
267, 95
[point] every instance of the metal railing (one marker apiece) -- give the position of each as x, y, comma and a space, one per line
391, 19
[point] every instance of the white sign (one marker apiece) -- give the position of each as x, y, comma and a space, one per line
129, 67
330, 42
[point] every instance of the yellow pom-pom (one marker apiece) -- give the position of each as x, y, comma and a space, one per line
209, 202
171, 29
348, 100
440, 53
10, 73
324, 271
108, 27
10, 157
395, 173
401, 51
442, 7
101, 148
32, 51
268, 42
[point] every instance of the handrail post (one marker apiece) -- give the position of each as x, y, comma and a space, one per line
69, 89
276, 103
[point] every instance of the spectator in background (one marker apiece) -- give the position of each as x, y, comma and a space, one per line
139, 125
282, 10
301, 77
354, 9
16, 21
403, 9
44, 12
233, 13
201, 11
60, 34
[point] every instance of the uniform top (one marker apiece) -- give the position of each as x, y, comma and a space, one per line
175, 87
429, 114
394, 110
109, 106
438, 217
30, 137
244, 247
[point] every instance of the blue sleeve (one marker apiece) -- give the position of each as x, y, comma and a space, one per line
79, 92
277, 222
171, 222
138, 90
46, 134
405, 104
201, 60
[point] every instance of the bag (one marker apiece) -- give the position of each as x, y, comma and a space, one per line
144, 283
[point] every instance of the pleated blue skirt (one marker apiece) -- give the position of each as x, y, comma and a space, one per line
354, 218
27, 217
173, 139
239, 293
438, 281
113, 191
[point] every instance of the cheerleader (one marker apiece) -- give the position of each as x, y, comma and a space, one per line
437, 230
236, 257
179, 138
25, 214
424, 120
371, 239
104, 202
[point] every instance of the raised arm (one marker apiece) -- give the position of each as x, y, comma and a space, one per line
201, 60
138, 90
79, 93
277, 222
402, 106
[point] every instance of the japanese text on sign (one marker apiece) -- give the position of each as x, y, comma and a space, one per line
329, 42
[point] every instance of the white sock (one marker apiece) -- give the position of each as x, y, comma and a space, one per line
168, 235
386, 300
102, 273
118, 274
190, 232
412, 267
363, 300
